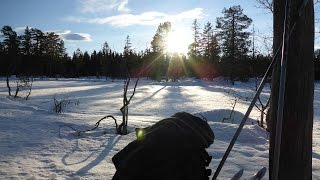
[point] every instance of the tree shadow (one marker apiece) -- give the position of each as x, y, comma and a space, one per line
76, 147
316, 155
150, 97
111, 143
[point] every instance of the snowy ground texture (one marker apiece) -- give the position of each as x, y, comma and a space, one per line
30, 146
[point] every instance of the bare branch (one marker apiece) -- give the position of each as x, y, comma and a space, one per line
266, 4
78, 132
24, 83
126, 84
30, 88
134, 90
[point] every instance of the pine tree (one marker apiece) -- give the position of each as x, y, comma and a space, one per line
206, 40
10, 41
11, 49
127, 56
105, 48
38, 39
160, 61
159, 41
50, 45
78, 61
61, 49
234, 40
26, 42
127, 47
86, 61
194, 50
213, 49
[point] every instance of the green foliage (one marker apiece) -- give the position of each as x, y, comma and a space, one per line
234, 41
159, 41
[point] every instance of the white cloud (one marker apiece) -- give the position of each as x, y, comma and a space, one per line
59, 31
146, 18
95, 6
67, 35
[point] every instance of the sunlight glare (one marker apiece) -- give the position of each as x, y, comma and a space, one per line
178, 41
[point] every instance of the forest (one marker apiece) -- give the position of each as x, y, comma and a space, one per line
226, 49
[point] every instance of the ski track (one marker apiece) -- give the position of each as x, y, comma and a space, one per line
30, 146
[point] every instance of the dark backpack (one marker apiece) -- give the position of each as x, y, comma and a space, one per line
171, 149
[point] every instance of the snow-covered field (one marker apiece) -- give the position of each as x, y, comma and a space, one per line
30, 146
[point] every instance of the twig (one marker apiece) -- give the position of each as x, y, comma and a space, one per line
266, 4
78, 132
232, 111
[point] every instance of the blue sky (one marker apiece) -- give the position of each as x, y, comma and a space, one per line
87, 24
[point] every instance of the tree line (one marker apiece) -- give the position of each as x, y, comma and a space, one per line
223, 50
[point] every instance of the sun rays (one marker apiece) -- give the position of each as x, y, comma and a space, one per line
178, 41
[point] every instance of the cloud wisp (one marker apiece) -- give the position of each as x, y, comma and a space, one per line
20, 30
66, 35
97, 6
123, 7
146, 18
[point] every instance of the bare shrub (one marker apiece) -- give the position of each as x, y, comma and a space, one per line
23, 87
59, 106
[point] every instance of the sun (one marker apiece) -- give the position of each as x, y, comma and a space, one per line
178, 41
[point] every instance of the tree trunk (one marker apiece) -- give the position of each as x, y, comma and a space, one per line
8, 85
296, 141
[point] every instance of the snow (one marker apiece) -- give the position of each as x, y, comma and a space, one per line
31, 148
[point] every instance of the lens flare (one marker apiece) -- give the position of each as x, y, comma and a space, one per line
140, 134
